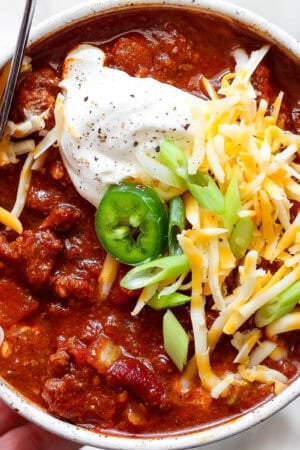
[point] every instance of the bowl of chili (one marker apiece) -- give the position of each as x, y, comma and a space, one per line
105, 335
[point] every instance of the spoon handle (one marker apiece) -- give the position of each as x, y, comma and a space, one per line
16, 64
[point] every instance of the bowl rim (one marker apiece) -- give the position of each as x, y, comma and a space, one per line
186, 439
86, 9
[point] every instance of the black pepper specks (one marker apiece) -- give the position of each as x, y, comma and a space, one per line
102, 137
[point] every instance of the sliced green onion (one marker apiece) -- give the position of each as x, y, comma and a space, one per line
232, 204
241, 237
174, 158
153, 167
176, 340
203, 187
176, 224
281, 305
168, 301
155, 271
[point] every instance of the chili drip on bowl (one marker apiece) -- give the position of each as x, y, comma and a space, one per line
149, 243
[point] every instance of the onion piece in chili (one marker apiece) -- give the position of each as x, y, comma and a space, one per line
2, 336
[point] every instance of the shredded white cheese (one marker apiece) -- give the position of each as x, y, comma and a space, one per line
244, 343
261, 352
287, 323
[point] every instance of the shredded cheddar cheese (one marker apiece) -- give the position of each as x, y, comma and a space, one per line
107, 276
10, 220
208, 378
10, 150
234, 134
264, 375
146, 294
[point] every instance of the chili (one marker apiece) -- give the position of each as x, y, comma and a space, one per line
57, 334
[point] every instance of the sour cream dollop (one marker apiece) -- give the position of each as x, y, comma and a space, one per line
109, 116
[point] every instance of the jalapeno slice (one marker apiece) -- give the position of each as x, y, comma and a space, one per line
132, 223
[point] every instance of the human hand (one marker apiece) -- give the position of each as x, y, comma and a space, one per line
18, 434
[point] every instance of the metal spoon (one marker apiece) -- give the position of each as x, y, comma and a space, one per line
16, 64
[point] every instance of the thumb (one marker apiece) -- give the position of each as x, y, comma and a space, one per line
31, 437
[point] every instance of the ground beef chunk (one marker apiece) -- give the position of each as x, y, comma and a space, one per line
45, 194
58, 363
74, 347
62, 218
261, 80
37, 93
266, 89
150, 56
35, 253
16, 303
78, 267
133, 54
78, 397
75, 285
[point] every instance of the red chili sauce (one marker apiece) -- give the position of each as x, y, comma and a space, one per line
49, 307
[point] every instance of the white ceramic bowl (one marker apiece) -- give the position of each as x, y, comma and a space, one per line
188, 439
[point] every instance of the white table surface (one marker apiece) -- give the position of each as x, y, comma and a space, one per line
282, 431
